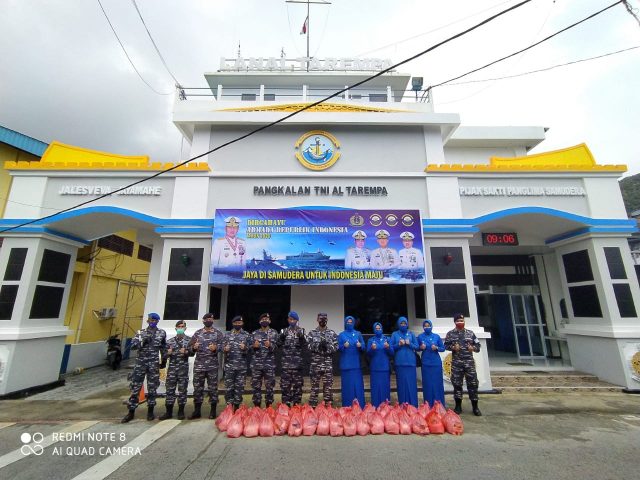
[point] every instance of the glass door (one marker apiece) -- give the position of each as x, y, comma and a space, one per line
528, 327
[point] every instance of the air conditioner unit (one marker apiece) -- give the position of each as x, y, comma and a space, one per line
108, 312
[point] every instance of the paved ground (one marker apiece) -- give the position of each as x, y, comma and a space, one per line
520, 436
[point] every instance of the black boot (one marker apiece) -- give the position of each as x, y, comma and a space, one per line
129, 416
150, 415
458, 407
236, 406
476, 410
256, 404
196, 411
180, 412
212, 413
267, 405
168, 414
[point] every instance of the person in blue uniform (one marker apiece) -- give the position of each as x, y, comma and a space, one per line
430, 344
405, 344
379, 351
350, 344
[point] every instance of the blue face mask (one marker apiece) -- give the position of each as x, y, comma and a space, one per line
403, 328
153, 324
428, 330
349, 327
378, 332
237, 327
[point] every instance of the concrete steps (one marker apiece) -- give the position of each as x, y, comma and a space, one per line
544, 382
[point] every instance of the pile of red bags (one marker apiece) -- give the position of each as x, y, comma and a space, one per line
304, 420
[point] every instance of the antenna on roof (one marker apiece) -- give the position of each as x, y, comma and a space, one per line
306, 25
239, 55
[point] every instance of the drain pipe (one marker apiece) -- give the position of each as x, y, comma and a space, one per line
85, 297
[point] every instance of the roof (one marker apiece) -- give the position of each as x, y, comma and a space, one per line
22, 142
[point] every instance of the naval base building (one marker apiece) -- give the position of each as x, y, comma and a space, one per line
368, 204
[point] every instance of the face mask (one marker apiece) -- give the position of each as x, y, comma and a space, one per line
237, 327
180, 331
428, 330
460, 325
264, 324
349, 327
208, 323
403, 328
153, 324
322, 322
378, 332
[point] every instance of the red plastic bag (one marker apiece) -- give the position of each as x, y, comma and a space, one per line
410, 409
453, 423
376, 422
405, 423
355, 407
271, 412
266, 428
235, 427
309, 423
323, 424
419, 425
349, 425
391, 424
384, 409
295, 425
437, 406
223, 419
368, 408
335, 426
343, 411
251, 425
434, 422
423, 409
281, 424
362, 425
282, 409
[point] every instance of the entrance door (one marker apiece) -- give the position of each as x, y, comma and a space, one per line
527, 326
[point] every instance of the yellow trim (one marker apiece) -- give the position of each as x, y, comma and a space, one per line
312, 166
60, 156
323, 107
572, 159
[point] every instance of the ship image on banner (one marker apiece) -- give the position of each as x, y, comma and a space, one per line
316, 247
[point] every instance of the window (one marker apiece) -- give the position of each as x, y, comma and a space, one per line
451, 298
181, 302
248, 97
419, 302
54, 267
185, 264
375, 303
447, 263
46, 302
15, 264
377, 97
615, 264
8, 295
117, 244
252, 300
624, 299
269, 97
144, 253
585, 302
577, 266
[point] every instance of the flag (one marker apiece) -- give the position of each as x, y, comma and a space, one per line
304, 26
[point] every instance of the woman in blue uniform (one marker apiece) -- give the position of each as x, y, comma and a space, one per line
351, 343
379, 351
405, 344
432, 383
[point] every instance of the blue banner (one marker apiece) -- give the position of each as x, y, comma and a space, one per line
323, 246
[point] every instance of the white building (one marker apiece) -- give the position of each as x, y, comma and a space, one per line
533, 248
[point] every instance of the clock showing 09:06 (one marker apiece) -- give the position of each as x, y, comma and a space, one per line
500, 239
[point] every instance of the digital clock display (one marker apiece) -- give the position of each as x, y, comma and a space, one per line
503, 238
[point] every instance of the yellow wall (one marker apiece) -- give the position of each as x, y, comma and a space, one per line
110, 286
9, 153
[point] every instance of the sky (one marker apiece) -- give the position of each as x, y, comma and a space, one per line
63, 75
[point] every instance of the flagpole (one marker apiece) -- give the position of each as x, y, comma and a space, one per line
308, 20
308, 35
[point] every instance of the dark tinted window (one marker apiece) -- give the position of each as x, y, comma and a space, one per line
144, 253
614, 262
46, 302
117, 244
248, 97
252, 300
185, 264
451, 299
377, 97
269, 97
624, 300
181, 302
585, 302
15, 264
419, 301
577, 266
7, 300
54, 267
447, 263
215, 301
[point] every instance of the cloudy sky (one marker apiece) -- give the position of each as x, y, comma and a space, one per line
63, 75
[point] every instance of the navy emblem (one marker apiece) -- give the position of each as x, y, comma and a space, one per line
407, 220
375, 219
392, 220
317, 150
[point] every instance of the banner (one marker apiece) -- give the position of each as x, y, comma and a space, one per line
323, 246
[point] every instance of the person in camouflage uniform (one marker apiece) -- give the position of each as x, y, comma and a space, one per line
322, 342
178, 372
263, 361
205, 345
462, 343
291, 340
236, 348
151, 344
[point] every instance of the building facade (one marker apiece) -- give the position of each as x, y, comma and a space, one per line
531, 248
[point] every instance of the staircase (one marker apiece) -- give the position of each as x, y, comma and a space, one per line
544, 382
